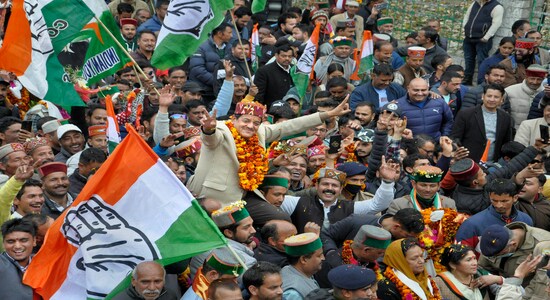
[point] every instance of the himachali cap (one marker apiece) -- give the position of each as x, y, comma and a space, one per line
128, 21
66, 128
381, 37
365, 135
192, 131
315, 150
372, 236
351, 277
10, 148
223, 261
416, 52
231, 214
273, 180
352, 168
319, 13
536, 70
333, 174
188, 148
392, 107
51, 126
33, 143
252, 108
384, 21
302, 244
525, 43
53, 167
352, 3
341, 41
427, 174
464, 169
494, 239
346, 23
322, 4
97, 130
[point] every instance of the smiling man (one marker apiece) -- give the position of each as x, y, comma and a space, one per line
71, 140
55, 184
19, 240
29, 199
264, 203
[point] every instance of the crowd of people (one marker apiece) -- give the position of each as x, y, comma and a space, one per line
413, 181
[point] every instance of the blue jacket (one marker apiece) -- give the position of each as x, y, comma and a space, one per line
474, 226
366, 93
154, 24
486, 64
434, 119
203, 62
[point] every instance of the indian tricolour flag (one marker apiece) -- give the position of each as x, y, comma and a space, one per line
113, 132
303, 71
255, 52
133, 209
367, 63
187, 25
37, 31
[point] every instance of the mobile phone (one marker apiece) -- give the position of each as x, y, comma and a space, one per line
180, 139
544, 133
27, 125
334, 144
544, 262
382, 6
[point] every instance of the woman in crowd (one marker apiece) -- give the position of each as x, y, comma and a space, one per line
405, 273
505, 48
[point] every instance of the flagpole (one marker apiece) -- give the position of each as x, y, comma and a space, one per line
136, 66
241, 43
237, 256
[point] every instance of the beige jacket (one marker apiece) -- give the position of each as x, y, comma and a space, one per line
405, 202
521, 96
216, 175
358, 25
529, 131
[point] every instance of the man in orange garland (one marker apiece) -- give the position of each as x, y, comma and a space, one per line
233, 158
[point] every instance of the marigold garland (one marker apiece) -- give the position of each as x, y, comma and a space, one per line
438, 235
252, 159
350, 149
348, 259
405, 291
23, 104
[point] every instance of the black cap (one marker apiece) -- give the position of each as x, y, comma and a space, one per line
192, 87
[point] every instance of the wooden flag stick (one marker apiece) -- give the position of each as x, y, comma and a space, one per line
136, 66
241, 43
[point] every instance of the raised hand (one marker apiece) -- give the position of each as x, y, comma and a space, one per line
208, 124
170, 140
341, 109
388, 171
253, 90
23, 173
166, 97
229, 69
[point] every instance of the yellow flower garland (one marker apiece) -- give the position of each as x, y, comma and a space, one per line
438, 235
252, 159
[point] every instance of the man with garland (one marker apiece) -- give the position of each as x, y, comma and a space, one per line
219, 264
368, 245
235, 223
243, 170
326, 208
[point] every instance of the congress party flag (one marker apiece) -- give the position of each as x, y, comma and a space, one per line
258, 6
35, 32
366, 53
255, 52
187, 25
303, 70
133, 209
113, 132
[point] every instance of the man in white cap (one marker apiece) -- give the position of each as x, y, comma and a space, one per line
71, 140
47, 127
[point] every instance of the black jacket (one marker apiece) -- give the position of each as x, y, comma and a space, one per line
49, 208
310, 209
267, 253
262, 211
469, 128
12, 286
472, 98
273, 83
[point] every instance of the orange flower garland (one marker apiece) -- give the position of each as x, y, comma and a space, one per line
24, 104
252, 159
438, 235
348, 259
350, 149
405, 292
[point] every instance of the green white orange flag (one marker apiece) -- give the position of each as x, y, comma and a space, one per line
36, 31
258, 6
186, 26
366, 53
303, 70
113, 132
103, 56
133, 209
255, 52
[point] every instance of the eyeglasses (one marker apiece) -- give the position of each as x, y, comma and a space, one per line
179, 116
427, 151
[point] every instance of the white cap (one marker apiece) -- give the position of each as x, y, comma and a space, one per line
352, 3
381, 37
66, 128
51, 126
